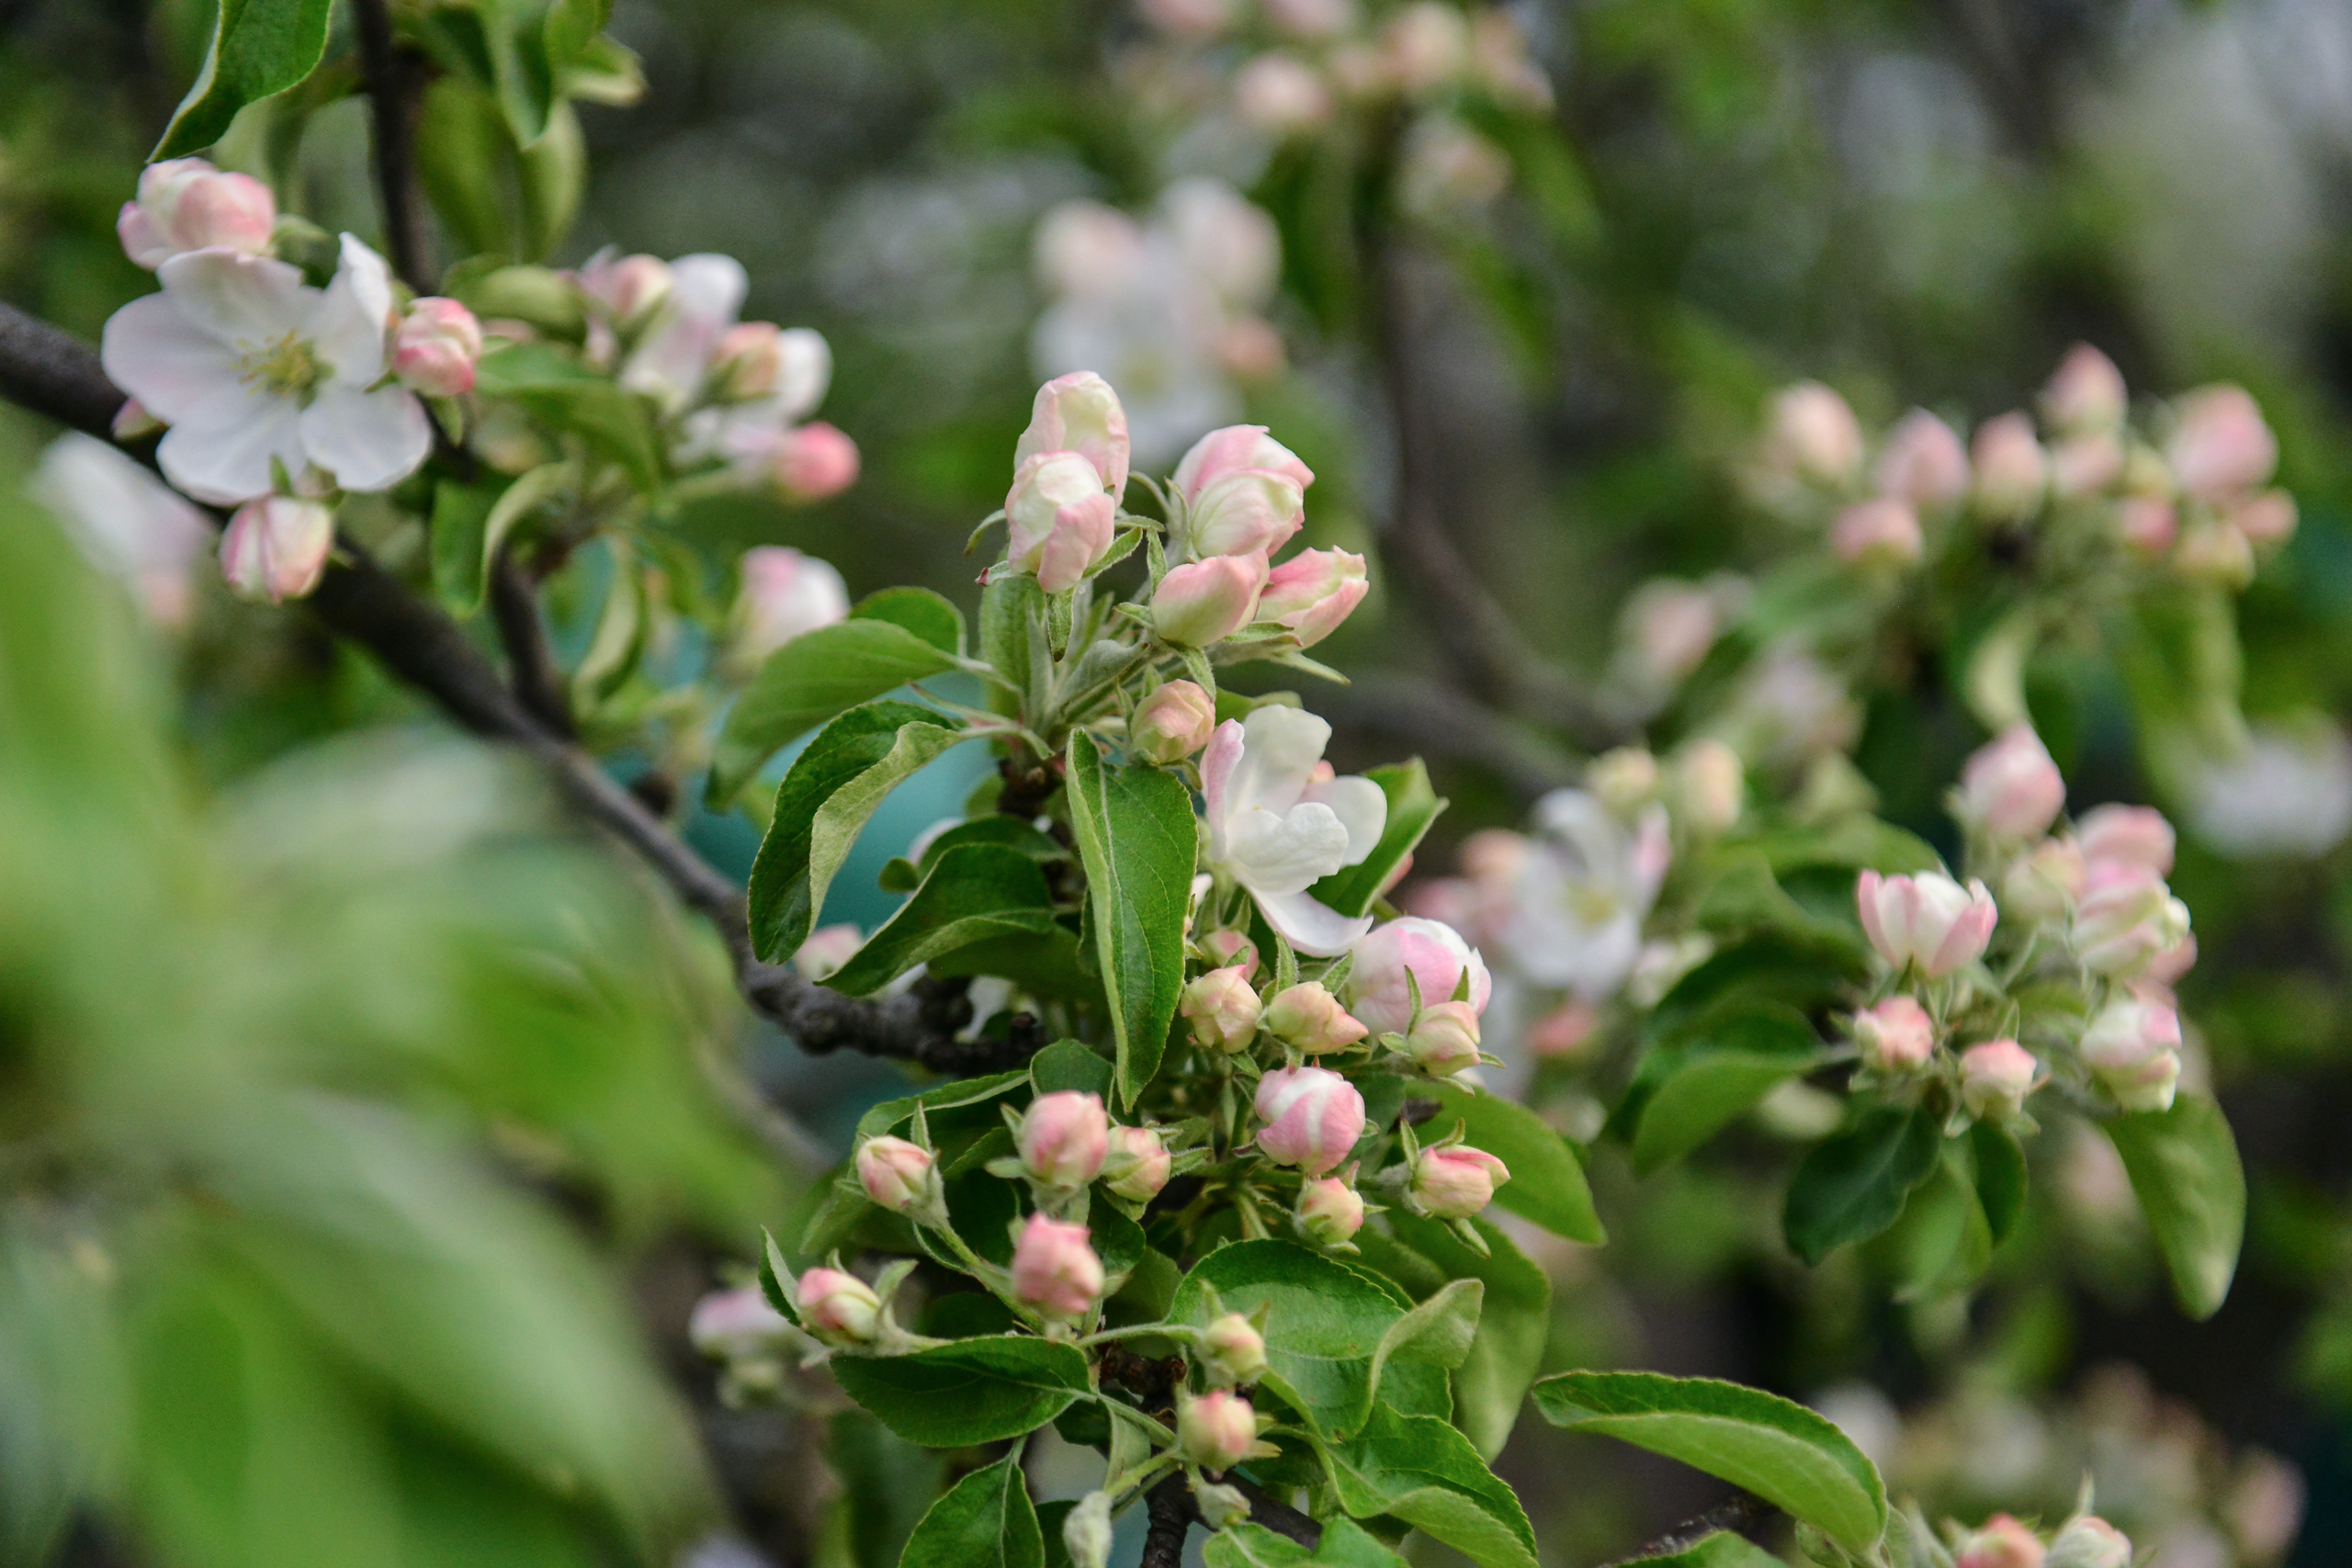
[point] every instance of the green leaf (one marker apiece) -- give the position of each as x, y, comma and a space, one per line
1784, 1453
1135, 837
1514, 1320
1720, 1075
985, 1520
904, 876
1547, 1184
1772, 966
1419, 1470
259, 47
1070, 1065
885, 1482
1007, 608
1721, 1549
1438, 1331
2184, 1166
1857, 843
974, 893
868, 746
568, 395
941, 1104
1412, 807
1852, 1186
806, 682
973, 1391
1942, 1242
2000, 1178
920, 611
470, 522
1344, 1545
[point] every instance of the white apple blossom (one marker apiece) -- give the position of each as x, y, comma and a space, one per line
257, 373
1581, 892
688, 339
129, 524
1279, 822
2288, 792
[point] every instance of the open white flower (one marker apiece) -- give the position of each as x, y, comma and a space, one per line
673, 362
254, 370
1583, 888
1279, 822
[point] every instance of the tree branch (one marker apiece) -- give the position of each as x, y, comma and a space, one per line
537, 678
396, 83
1170, 1506
51, 373
1741, 1512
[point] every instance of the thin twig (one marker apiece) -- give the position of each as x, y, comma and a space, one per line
396, 83
1742, 1512
531, 663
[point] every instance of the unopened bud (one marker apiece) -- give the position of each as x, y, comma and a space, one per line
1138, 1165
2220, 447
186, 204
1309, 594
838, 1308
1896, 1036
2043, 883
896, 1174
1208, 600
1064, 1138
1310, 1020
1059, 517
1245, 511
1709, 785
1623, 780
2010, 788
1232, 1351
436, 347
1054, 1269
815, 461
2011, 471
630, 288
1223, 1007
2127, 835
1311, 1118
1881, 532
276, 548
1923, 463
2089, 1542
1812, 434
1216, 1431
1172, 723
2147, 524
2003, 1542
1444, 1039
1995, 1078
2267, 519
2133, 1048
1080, 412
2087, 393
1456, 1181
2127, 918
1232, 948
784, 593
1331, 1211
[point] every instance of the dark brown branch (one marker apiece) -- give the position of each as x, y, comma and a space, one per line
1742, 1513
396, 82
531, 663
1277, 1516
1169, 1505
50, 373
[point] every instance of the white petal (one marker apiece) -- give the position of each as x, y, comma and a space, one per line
1361, 807
1280, 749
220, 451
166, 362
1315, 928
367, 440
1285, 854
348, 326
807, 371
705, 293
240, 299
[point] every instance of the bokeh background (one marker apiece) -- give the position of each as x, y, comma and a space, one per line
296, 990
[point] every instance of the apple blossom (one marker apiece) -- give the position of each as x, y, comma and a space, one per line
838, 1308
1248, 511
2133, 1047
2043, 883
1455, 1181
896, 1174
1331, 1211
737, 1324
257, 372
2288, 792
1217, 1430
1223, 1008
1064, 1138
1238, 448
1231, 1350
1581, 893
1310, 1019
1312, 1116
1276, 828
813, 462
1923, 463
129, 522
435, 348
1054, 1268
2127, 835
2011, 470
2086, 393
2221, 448
1231, 948
186, 204
1995, 1077
1709, 785
1281, 95
1138, 1165
1226, 240
2089, 1542
784, 593
1896, 1036
628, 289
1444, 1039
1081, 413
1927, 920
2002, 1542
1197, 605
1811, 432
1312, 593
1433, 954
276, 548
2009, 787
1881, 530
1060, 519
1172, 723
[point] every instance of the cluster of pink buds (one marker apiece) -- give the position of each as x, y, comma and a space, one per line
1239, 496
2084, 1541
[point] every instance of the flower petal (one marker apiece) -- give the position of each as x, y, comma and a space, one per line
1285, 854
240, 300
163, 359
220, 452
1361, 807
1280, 749
1311, 926
1217, 763
706, 294
367, 440
348, 326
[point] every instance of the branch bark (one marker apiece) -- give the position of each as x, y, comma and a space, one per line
1741, 1512
396, 82
51, 373
1170, 1507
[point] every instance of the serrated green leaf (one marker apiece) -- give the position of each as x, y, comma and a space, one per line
943, 1105
1438, 1331
258, 48
1709, 1081
974, 1391
810, 679
1070, 1065
2000, 1178
1514, 1318
1344, 1545
566, 394
1135, 837
1421, 1470
984, 1520
974, 893
920, 611
1547, 1183
2185, 1169
1787, 1455
1852, 1186
1413, 805
470, 522
1942, 1242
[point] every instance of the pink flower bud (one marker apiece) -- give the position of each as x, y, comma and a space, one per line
1238, 448
730, 1326
2127, 835
827, 949
1232, 1351
1880, 532
2011, 471
784, 593
2089, 1542
1138, 1165
1216, 1431
1281, 95
815, 461
1064, 1138
1312, 1116
838, 1308
1172, 723
1331, 1211
1426, 44
1312, 18
1189, 18
2127, 918
2267, 519
1811, 434
1248, 511
2215, 553
894, 1172
1312, 593
2010, 788
2220, 447
1444, 1039
1310, 1020
1995, 1078
1061, 518
2043, 883
435, 348
2085, 465
2147, 524
1250, 349
1197, 605
276, 548
1896, 1036
1432, 953
1054, 1269
2133, 1047
2165, 969
1565, 1030
2003, 1542
748, 360
1927, 920
1923, 463
2086, 394
630, 288
1223, 1007
186, 204
1709, 785
1456, 1181
1081, 413
1232, 948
